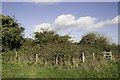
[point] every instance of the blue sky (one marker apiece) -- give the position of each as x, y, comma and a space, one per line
31, 14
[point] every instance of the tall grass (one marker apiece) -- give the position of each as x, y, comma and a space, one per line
36, 71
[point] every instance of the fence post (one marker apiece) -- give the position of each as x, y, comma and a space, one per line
93, 56
111, 55
36, 60
83, 57
56, 59
16, 55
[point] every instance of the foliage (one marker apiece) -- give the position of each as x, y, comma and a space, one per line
11, 33
45, 37
96, 40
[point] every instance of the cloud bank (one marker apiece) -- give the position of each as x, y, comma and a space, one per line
83, 23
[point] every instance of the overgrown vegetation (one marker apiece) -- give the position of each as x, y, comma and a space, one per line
49, 52
84, 71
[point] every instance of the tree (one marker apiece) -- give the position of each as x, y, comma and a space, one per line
12, 33
96, 40
89, 38
44, 37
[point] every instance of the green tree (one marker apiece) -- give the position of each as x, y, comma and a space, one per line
96, 40
89, 38
12, 33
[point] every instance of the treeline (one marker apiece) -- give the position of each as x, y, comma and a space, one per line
49, 48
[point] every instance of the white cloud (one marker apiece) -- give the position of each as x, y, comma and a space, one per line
41, 27
82, 23
45, 2
113, 21
86, 22
65, 20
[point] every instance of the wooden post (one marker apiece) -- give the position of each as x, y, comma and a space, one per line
36, 59
104, 55
83, 57
16, 55
111, 55
56, 59
93, 56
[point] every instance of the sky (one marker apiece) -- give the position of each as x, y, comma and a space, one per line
60, 0
72, 18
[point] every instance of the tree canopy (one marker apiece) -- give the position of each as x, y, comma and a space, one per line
12, 33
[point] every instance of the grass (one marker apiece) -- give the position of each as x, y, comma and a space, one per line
0, 68
36, 71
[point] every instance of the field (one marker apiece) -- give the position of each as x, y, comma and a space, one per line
37, 71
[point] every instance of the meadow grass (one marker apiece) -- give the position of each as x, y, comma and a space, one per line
37, 71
